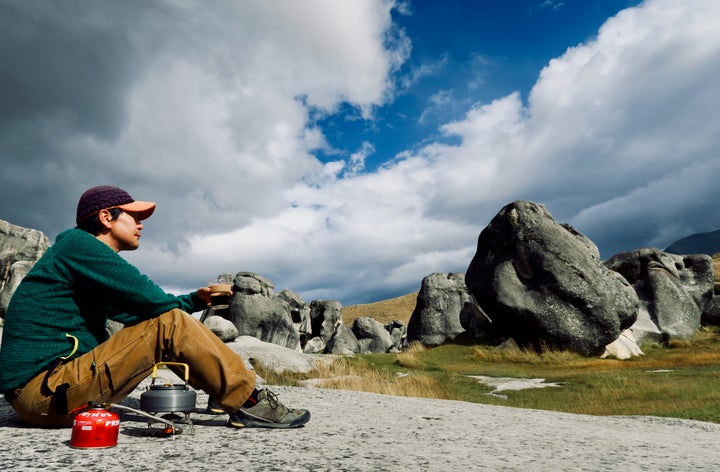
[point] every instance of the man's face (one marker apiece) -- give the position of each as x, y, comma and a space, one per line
124, 234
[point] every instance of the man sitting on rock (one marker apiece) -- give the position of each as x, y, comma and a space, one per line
56, 354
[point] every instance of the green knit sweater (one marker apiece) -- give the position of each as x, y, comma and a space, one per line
61, 307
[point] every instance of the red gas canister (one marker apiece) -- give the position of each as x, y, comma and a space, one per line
96, 427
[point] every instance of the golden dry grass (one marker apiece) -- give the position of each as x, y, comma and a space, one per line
384, 311
410, 357
344, 373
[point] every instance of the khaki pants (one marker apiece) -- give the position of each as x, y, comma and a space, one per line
116, 367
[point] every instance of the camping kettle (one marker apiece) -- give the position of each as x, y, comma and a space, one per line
171, 398
95, 427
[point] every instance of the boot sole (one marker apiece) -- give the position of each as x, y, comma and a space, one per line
243, 420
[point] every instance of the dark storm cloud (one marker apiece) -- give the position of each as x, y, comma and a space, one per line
66, 70
64, 61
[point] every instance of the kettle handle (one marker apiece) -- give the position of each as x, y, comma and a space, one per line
155, 368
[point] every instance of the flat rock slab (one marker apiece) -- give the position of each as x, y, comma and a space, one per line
274, 357
356, 431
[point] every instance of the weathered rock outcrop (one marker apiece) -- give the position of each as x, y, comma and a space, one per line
436, 317
296, 303
543, 283
283, 318
343, 341
17, 244
17, 272
255, 311
674, 291
300, 314
398, 334
371, 335
324, 316
475, 321
711, 314
222, 328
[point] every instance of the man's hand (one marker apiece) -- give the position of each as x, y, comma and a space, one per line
204, 294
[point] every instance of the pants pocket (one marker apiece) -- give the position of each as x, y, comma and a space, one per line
123, 373
73, 385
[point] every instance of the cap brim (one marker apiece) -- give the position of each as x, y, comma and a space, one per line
142, 210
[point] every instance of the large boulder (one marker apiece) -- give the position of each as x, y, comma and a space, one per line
343, 341
315, 346
398, 334
222, 328
371, 335
674, 291
436, 317
17, 244
543, 284
273, 357
250, 283
299, 312
256, 311
324, 316
18, 271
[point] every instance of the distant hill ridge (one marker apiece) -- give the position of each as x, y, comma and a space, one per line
384, 311
699, 243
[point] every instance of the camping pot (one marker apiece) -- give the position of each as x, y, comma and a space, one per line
95, 428
170, 398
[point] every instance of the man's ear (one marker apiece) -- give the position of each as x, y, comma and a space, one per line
105, 218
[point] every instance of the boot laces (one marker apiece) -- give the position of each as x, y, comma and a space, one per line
272, 399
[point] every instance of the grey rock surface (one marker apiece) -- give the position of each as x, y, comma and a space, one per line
543, 284
674, 290
250, 283
17, 244
264, 318
256, 311
475, 321
273, 356
16, 272
299, 312
436, 317
324, 316
222, 328
371, 335
355, 431
342, 342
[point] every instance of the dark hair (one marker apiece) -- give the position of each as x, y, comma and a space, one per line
92, 223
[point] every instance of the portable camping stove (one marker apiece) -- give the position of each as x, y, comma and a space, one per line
170, 398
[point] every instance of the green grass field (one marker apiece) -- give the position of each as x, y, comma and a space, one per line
680, 380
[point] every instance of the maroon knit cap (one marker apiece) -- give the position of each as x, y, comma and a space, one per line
107, 196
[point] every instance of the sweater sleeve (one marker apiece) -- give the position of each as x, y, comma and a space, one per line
190, 300
113, 281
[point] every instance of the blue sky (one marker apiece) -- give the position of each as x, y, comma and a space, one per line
464, 52
345, 150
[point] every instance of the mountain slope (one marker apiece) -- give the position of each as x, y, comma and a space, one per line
699, 243
384, 311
